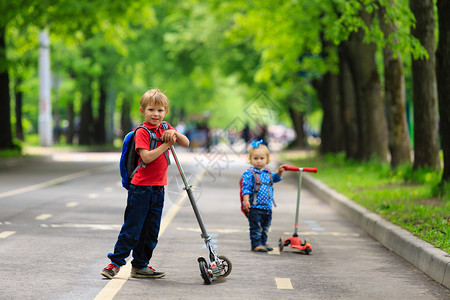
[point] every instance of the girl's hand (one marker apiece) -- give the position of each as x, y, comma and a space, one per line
281, 169
247, 206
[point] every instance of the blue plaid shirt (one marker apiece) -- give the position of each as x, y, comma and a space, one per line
264, 199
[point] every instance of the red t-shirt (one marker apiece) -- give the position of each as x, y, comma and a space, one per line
154, 173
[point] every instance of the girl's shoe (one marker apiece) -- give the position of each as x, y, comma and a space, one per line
259, 248
110, 271
268, 248
147, 272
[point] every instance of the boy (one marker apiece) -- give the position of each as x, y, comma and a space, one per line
146, 194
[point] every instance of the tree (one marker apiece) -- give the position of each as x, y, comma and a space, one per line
348, 105
394, 93
14, 13
370, 110
443, 80
426, 135
5, 116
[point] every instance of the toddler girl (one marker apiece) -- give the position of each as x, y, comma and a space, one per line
257, 192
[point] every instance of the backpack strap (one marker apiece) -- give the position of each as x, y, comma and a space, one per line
153, 142
257, 185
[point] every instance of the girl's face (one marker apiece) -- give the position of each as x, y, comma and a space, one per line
258, 158
154, 114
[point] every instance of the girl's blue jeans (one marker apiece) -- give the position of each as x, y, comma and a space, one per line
141, 226
259, 223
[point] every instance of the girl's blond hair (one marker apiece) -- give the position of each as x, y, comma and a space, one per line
263, 147
154, 97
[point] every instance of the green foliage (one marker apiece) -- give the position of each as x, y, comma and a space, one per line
404, 197
209, 56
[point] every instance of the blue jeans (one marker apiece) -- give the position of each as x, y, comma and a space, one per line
259, 222
141, 226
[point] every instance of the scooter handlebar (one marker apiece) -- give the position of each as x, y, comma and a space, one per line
292, 168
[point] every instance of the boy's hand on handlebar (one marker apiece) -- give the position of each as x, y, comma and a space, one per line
168, 135
172, 140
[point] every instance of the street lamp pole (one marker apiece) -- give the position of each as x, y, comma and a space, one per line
45, 104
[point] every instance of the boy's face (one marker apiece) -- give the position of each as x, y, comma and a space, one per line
259, 158
154, 114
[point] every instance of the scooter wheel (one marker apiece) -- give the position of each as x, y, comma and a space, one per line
281, 243
204, 271
307, 250
227, 266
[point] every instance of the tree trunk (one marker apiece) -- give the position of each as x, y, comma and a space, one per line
426, 139
348, 107
297, 120
394, 92
71, 119
18, 108
100, 132
6, 141
443, 82
125, 120
370, 107
331, 132
86, 121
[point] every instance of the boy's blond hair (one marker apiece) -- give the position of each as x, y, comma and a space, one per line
154, 97
263, 147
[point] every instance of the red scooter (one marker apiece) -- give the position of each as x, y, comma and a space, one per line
295, 240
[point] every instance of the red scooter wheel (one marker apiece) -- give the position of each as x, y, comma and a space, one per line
281, 243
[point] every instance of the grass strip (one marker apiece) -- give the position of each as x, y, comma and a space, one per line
407, 198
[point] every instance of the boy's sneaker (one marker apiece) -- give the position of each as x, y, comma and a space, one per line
110, 271
147, 272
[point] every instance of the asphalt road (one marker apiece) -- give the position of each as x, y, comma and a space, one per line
61, 215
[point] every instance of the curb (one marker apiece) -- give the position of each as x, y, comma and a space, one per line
426, 257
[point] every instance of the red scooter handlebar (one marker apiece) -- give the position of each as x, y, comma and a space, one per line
291, 168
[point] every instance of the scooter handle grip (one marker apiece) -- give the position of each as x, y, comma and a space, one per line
292, 168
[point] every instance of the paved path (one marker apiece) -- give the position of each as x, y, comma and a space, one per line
59, 219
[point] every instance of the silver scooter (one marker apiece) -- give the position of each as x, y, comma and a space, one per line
214, 266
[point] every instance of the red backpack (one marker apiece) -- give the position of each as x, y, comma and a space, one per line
256, 187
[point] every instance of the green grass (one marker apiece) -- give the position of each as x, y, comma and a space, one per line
411, 200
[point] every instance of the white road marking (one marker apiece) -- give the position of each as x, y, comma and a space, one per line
313, 225
275, 251
72, 204
56, 181
114, 285
90, 226
93, 196
108, 189
284, 284
43, 217
5, 234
